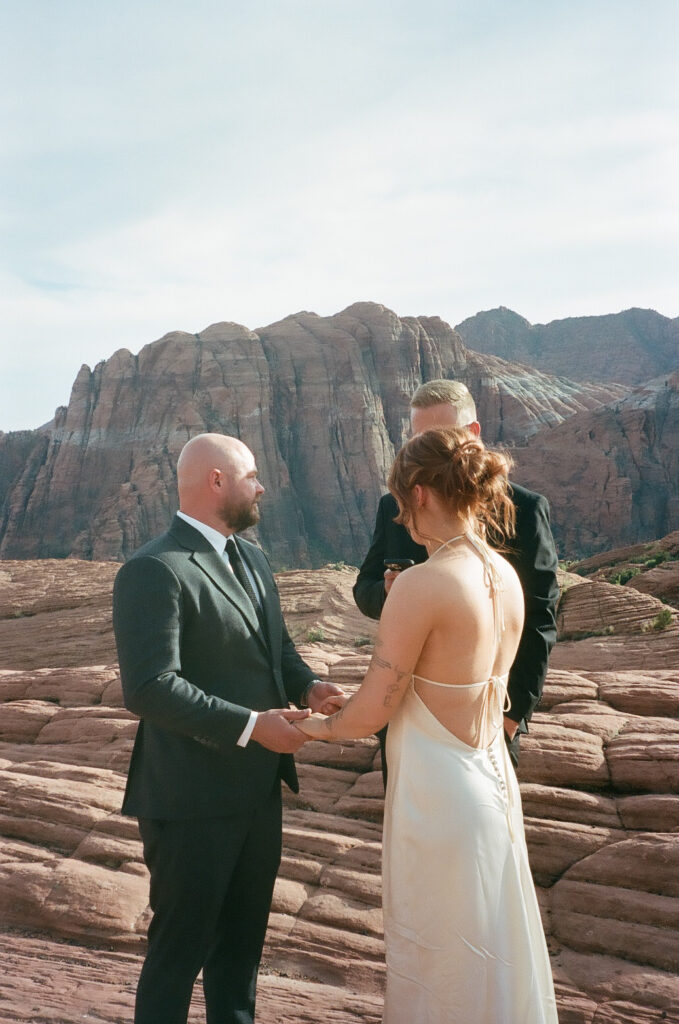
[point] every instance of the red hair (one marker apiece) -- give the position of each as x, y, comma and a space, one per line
469, 478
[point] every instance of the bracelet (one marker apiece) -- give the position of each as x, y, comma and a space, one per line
304, 702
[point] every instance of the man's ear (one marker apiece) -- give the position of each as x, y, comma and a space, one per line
475, 428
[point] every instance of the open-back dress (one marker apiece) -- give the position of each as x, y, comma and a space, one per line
464, 938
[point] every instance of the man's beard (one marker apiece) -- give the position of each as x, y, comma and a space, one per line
239, 517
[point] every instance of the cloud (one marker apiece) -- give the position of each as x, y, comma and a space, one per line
168, 169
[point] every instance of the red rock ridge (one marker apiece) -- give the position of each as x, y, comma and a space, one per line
628, 347
611, 475
322, 401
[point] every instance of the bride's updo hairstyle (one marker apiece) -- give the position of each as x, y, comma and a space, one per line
469, 478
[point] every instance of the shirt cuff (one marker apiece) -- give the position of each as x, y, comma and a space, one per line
304, 699
247, 731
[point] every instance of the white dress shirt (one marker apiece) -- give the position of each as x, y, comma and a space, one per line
218, 541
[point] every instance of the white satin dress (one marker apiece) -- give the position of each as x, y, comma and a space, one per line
464, 938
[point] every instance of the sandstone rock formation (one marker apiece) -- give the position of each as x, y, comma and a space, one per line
629, 347
60, 616
52, 983
602, 625
322, 401
611, 475
652, 568
599, 775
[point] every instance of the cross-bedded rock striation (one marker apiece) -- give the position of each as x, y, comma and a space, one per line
599, 778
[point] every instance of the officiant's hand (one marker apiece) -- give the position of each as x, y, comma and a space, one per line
511, 727
389, 576
326, 698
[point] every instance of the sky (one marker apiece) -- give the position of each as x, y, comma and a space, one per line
167, 165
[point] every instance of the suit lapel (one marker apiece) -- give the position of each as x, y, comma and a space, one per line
269, 607
216, 569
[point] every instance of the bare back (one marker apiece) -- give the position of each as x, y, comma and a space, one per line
475, 605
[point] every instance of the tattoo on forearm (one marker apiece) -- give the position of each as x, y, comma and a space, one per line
391, 698
377, 661
380, 662
392, 689
332, 720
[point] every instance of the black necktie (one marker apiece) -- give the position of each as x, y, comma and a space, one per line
239, 571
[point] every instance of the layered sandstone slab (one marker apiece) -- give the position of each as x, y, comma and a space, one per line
652, 568
599, 786
604, 626
58, 615
57, 984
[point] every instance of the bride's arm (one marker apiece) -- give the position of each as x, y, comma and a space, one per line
404, 627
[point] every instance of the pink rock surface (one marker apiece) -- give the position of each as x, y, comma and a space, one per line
53, 983
599, 785
604, 627
661, 580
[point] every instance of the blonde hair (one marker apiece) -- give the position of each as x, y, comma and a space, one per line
468, 477
446, 392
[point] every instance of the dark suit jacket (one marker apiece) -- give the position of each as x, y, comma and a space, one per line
194, 661
533, 556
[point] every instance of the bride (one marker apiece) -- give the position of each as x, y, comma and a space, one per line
464, 939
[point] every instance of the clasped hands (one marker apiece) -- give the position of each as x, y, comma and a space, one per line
276, 729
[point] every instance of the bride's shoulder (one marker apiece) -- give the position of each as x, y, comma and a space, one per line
426, 583
506, 569
411, 582
411, 577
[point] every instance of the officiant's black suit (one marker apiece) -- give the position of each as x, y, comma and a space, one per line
194, 660
532, 554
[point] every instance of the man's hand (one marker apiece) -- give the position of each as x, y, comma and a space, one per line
275, 731
326, 698
511, 727
389, 577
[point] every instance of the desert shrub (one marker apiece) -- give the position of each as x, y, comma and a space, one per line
315, 635
584, 634
627, 574
362, 641
662, 620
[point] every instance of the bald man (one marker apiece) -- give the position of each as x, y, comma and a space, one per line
208, 665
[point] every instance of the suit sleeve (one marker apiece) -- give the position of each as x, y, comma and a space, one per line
536, 568
369, 592
147, 621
